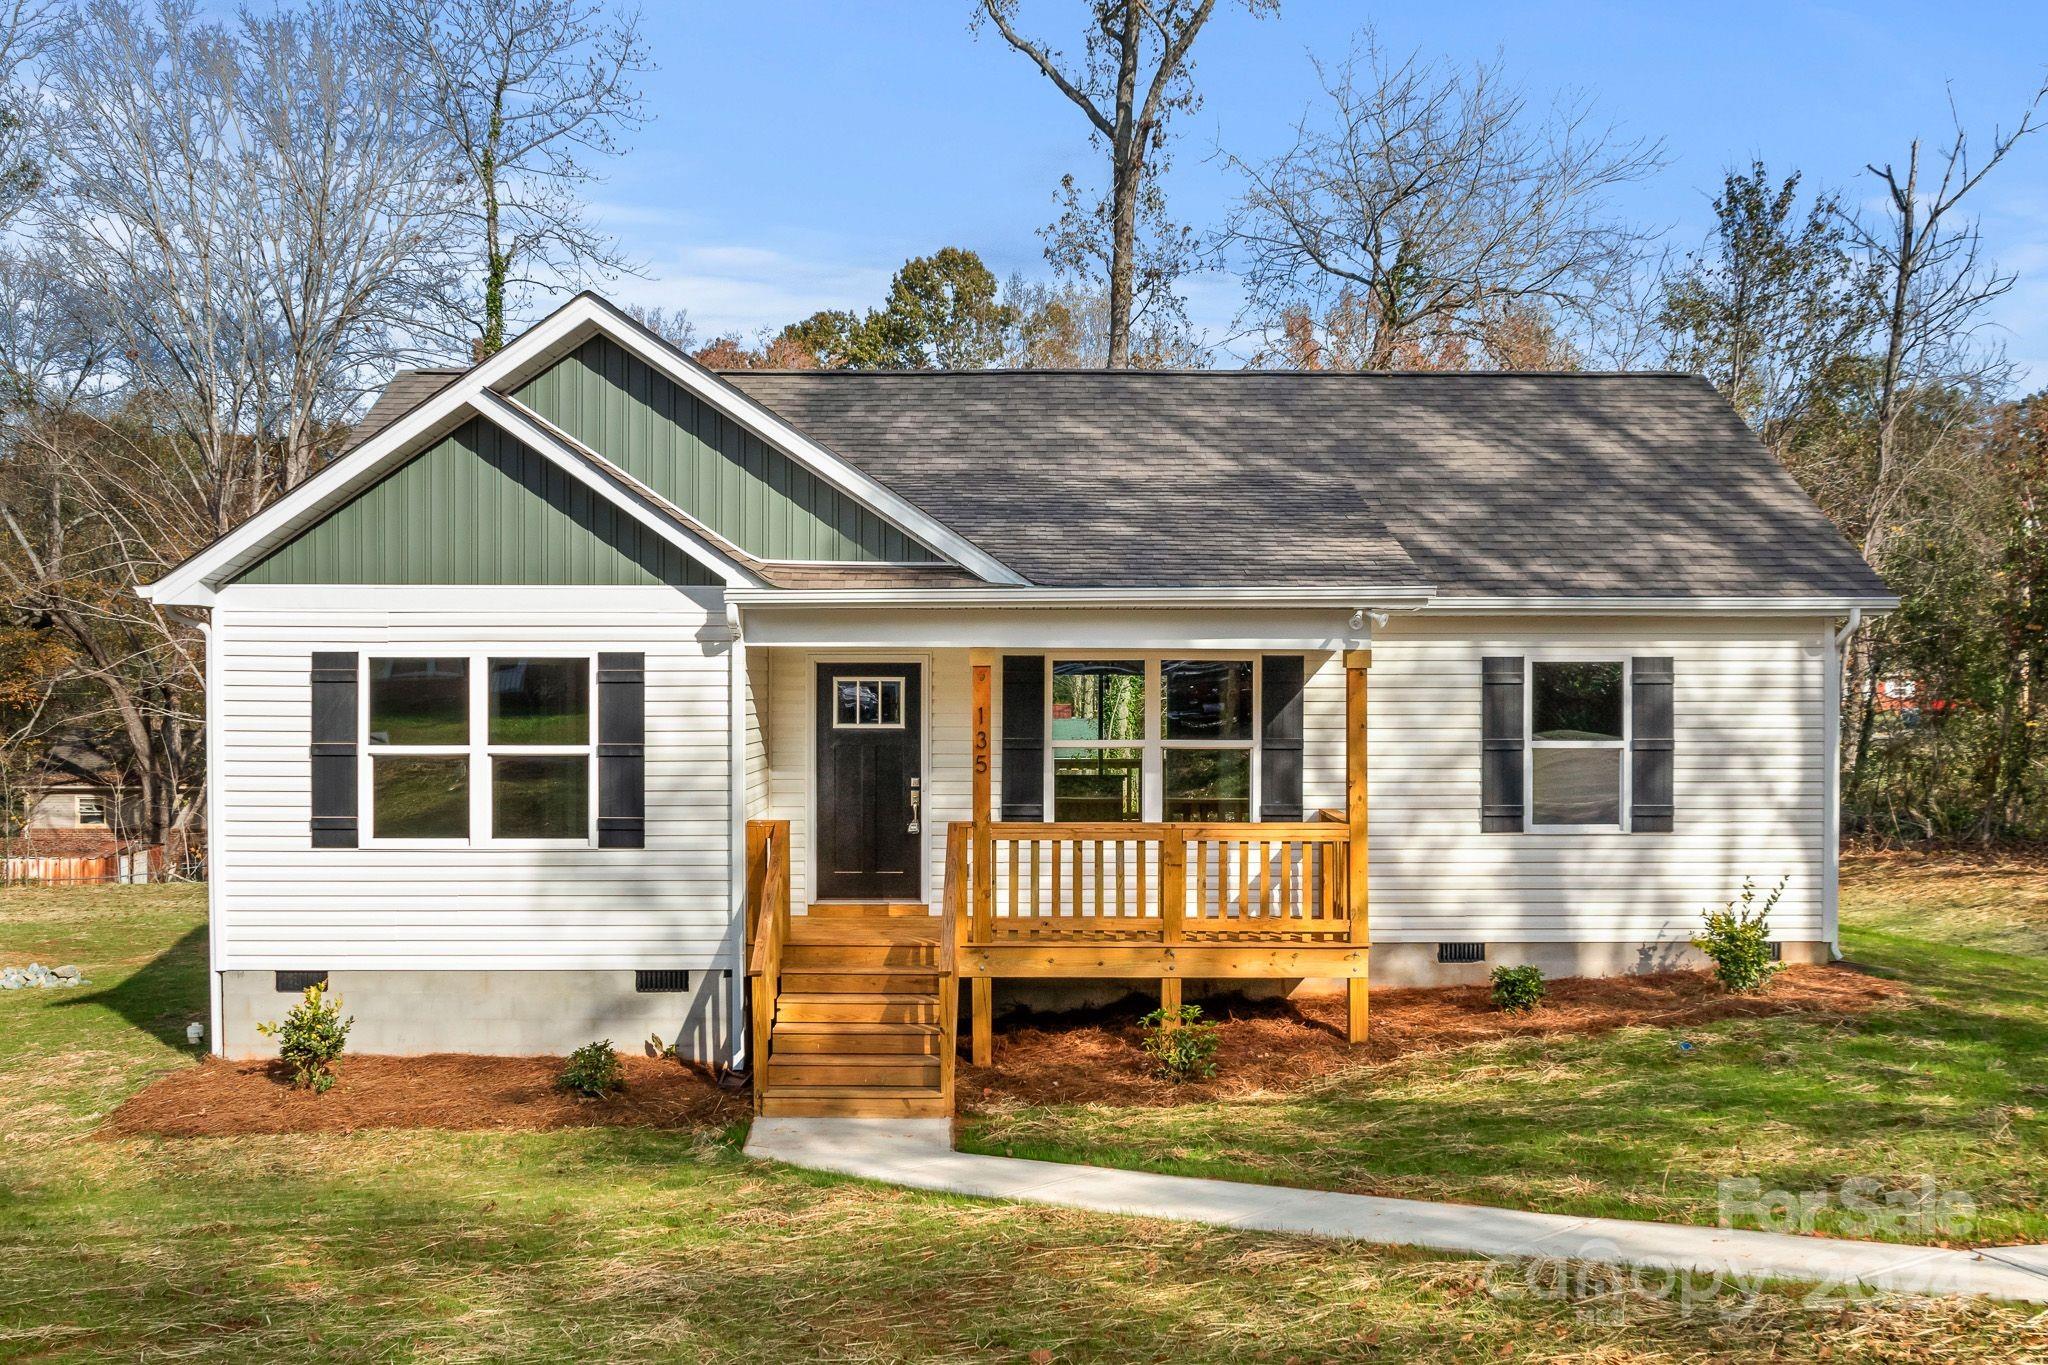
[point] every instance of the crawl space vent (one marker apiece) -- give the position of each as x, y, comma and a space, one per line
291, 983
1461, 952
652, 982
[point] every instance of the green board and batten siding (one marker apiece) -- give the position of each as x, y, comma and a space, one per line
479, 507
686, 450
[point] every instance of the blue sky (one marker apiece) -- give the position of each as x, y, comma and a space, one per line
801, 150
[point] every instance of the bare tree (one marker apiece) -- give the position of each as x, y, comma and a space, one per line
1928, 285
523, 92
1127, 42
237, 229
1423, 208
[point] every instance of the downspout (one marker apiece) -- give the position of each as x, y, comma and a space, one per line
1831, 821
214, 1009
736, 837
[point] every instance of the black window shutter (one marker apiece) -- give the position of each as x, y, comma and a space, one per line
334, 750
1500, 759
1023, 737
1280, 683
622, 751
1650, 728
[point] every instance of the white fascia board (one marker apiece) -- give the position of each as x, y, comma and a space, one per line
833, 469
642, 506
1366, 596
1656, 606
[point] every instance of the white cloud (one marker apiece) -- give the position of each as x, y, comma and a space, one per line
746, 289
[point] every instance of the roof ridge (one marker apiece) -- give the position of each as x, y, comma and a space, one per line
1237, 372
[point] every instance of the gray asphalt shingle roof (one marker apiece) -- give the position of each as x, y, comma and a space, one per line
1477, 483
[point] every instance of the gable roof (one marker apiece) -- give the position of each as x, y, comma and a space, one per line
1481, 484
450, 399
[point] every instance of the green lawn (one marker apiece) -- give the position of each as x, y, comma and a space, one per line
1951, 1084
638, 1244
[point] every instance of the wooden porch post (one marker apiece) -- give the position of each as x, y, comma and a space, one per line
1358, 989
982, 877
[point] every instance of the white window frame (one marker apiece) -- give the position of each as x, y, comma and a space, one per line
479, 751
99, 818
881, 681
1152, 747
1530, 744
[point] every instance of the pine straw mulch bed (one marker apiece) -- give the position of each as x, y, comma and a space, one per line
448, 1090
1277, 1046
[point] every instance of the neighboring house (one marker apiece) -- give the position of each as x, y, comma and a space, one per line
74, 805
536, 714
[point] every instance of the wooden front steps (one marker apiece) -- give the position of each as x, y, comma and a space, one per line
858, 1029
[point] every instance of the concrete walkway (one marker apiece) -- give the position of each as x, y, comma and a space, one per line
919, 1153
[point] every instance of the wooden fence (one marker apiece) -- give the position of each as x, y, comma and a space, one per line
135, 864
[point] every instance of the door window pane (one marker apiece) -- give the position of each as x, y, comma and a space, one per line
1577, 701
419, 797
1098, 700
1208, 698
1576, 786
540, 701
535, 796
1097, 784
419, 701
867, 703
1207, 786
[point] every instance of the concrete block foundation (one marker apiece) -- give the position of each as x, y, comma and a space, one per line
497, 1013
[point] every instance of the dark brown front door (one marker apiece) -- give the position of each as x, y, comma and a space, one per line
870, 738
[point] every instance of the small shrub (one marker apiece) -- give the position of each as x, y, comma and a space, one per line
1181, 1042
1517, 989
593, 1071
1738, 939
310, 1038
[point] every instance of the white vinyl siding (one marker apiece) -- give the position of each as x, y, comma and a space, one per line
284, 904
1749, 767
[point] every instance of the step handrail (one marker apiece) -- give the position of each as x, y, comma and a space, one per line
767, 912
952, 918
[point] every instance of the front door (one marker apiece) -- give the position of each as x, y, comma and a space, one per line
870, 786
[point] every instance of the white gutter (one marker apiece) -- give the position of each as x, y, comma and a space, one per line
736, 836
1401, 595
1831, 819
1660, 606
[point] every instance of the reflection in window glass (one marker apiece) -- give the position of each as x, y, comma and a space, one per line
540, 701
1097, 784
540, 796
867, 702
419, 701
419, 797
1576, 786
1098, 700
1207, 786
1577, 701
1208, 698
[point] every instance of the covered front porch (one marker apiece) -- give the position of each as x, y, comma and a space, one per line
1168, 879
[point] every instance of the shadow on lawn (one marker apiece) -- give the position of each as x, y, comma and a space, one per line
161, 996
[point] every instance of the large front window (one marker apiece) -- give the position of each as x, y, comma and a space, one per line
1577, 738
1153, 739
471, 749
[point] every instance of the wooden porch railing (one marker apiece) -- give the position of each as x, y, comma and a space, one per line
767, 932
1161, 882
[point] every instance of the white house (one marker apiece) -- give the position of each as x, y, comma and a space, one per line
588, 680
